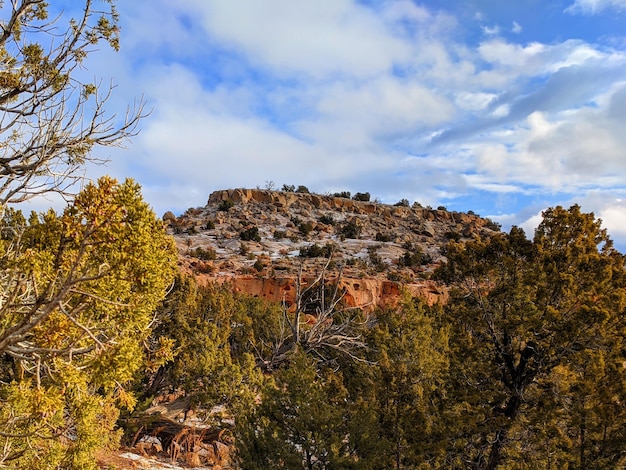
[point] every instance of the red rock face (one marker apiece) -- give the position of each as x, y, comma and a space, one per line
368, 294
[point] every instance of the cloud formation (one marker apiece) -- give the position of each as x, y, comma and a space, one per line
592, 7
398, 99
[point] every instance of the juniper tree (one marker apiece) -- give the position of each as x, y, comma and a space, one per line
537, 335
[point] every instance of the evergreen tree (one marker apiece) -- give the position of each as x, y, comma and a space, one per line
300, 422
535, 327
410, 361
78, 295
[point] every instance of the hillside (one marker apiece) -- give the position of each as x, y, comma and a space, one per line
258, 240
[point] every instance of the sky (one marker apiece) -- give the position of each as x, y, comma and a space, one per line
503, 108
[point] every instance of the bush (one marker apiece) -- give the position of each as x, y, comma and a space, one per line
259, 265
305, 228
495, 226
327, 220
452, 235
365, 197
289, 188
350, 230
278, 234
250, 234
302, 189
383, 237
207, 254
344, 194
316, 251
413, 257
375, 259
402, 203
225, 205
210, 225
441, 208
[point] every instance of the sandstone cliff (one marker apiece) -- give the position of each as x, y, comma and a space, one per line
259, 240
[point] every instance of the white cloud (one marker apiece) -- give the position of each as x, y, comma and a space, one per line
316, 38
490, 30
474, 101
592, 7
516, 28
336, 95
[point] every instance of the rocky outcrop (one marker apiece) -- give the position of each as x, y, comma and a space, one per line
258, 240
367, 294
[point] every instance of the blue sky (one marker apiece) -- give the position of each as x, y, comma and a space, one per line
503, 108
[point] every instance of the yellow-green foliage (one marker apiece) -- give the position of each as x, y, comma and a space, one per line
77, 295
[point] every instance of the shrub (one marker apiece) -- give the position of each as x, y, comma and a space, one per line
402, 203
302, 189
344, 194
305, 228
365, 197
259, 265
316, 251
278, 234
289, 188
375, 259
207, 254
495, 226
350, 230
250, 234
412, 258
383, 237
225, 205
327, 220
452, 235
441, 208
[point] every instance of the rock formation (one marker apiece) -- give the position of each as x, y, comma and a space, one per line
260, 240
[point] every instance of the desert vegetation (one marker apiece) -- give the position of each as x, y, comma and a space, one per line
105, 340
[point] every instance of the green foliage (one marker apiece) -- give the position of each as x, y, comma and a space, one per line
300, 421
50, 105
495, 226
302, 189
383, 237
411, 357
279, 234
364, 197
212, 362
343, 194
376, 260
538, 346
205, 254
453, 235
305, 228
289, 188
327, 219
413, 258
225, 205
317, 251
350, 229
82, 289
402, 203
250, 234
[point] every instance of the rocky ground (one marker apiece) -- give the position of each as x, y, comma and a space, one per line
258, 240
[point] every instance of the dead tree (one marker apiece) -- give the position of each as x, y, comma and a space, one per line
318, 322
